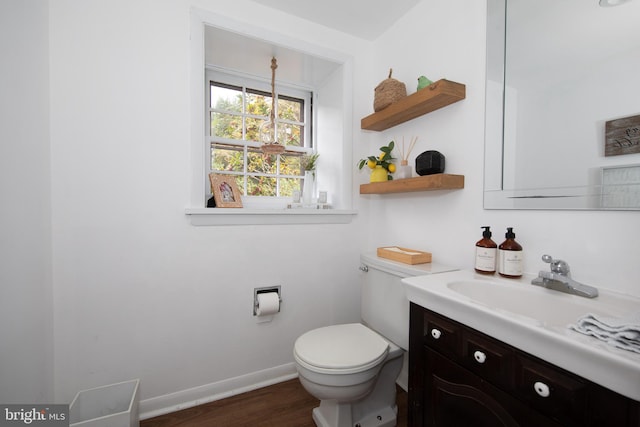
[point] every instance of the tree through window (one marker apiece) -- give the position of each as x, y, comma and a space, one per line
237, 108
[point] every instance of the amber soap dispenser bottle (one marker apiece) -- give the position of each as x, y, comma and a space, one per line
510, 260
486, 251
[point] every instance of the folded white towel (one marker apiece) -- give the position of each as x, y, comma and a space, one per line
621, 332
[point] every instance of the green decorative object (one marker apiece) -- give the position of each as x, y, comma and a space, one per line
423, 82
309, 161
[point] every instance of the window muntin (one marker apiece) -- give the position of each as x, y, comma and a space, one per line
237, 107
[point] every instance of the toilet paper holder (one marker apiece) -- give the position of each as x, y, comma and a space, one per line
265, 290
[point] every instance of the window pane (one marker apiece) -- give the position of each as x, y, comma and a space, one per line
260, 163
290, 109
253, 128
288, 185
236, 114
290, 164
226, 97
261, 186
289, 134
240, 182
258, 103
226, 125
227, 158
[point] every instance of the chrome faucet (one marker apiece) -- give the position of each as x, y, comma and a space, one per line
559, 279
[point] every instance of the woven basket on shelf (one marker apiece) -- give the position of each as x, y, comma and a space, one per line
388, 92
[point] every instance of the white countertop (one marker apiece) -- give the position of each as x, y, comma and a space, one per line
535, 320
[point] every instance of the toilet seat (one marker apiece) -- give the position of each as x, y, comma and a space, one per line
340, 349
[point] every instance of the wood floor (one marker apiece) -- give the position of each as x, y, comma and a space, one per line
281, 405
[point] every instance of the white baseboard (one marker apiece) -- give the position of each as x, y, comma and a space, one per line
184, 399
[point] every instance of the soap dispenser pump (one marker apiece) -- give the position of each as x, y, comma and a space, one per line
510, 259
486, 251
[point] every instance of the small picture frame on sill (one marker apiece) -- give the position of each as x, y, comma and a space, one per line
225, 191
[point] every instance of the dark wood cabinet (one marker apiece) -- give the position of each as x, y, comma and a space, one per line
461, 377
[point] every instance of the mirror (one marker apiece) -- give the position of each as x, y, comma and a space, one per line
562, 105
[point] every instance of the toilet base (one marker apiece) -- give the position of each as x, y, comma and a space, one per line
377, 409
332, 414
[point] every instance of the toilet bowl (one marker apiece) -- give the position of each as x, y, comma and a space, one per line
353, 368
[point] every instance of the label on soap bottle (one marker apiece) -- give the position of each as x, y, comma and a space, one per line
510, 263
486, 259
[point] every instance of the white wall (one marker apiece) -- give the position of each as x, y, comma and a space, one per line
439, 40
26, 330
335, 155
139, 292
447, 40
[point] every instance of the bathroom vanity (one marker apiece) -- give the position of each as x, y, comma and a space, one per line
459, 376
472, 363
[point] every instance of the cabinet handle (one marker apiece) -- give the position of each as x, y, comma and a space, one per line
435, 333
479, 356
542, 389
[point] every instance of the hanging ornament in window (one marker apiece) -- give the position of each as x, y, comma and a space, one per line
269, 131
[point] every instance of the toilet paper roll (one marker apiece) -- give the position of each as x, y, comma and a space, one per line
268, 303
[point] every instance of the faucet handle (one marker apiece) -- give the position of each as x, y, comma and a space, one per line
557, 265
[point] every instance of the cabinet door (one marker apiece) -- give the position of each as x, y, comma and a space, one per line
559, 395
455, 397
607, 408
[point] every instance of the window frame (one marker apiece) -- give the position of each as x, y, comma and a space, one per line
253, 84
338, 175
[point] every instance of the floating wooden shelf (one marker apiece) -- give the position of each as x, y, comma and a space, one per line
440, 181
433, 97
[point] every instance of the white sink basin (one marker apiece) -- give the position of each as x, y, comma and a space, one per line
535, 320
543, 306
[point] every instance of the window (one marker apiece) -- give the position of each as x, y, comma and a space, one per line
237, 107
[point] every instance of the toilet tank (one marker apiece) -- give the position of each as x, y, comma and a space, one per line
384, 306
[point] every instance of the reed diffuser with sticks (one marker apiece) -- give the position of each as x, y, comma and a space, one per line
404, 171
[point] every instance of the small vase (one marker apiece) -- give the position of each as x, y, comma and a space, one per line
309, 187
404, 171
378, 174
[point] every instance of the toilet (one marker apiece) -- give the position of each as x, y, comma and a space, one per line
353, 368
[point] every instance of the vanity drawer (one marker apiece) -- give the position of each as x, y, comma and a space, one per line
553, 392
442, 335
488, 358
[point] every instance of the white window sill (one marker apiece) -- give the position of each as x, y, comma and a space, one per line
244, 216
